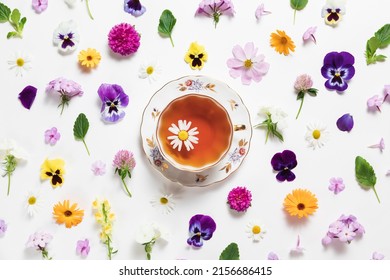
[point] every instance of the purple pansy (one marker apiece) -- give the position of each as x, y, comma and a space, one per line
201, 228
338, 69
284, 162
66, 36
134, 7
345, 123
114, 99
27, 96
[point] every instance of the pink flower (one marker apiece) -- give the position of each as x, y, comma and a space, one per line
336, 185
387, 89
123, 39
52, 136
377, 256
261, 12
98, 168
247, 64
303, 82
380, 145
39, 5
83, 247
374, 103
124, 160
239, 199
309, 34
347, 234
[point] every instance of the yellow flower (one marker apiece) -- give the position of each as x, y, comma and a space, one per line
282, 42
300, 203
89, 58
53, 170
196, 56
63, 213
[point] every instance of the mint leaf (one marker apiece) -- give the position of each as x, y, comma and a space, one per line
298, 4
231, 252
15, 17
365, 175
166, 24
11, 34
80, 129
383, 36
5, 12
380, 40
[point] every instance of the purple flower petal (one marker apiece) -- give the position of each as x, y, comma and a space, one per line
345, 122
27, 96
285, 175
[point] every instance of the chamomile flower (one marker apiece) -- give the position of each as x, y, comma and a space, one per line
255, 230
20, 62
149, 70
32, 203
317, 135
165, 203
183, 134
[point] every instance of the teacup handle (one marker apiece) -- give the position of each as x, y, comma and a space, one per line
238, 127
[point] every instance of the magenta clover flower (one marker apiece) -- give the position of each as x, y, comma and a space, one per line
52, 136
345, 123
123, 39
134, 7
345, 229
124, 164
215, 8
338, 69
239, 199
27, 96
336, 185
201, 227
83, 247
114, 99
283, 163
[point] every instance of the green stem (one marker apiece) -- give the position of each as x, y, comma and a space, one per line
377, 197
86, 147
295, 12
109, 248
124, 184
9, 182
300, 107
170, 38
267, 135
88, 9
62, 108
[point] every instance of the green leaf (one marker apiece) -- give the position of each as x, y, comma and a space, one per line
380, 58
380, 40
15, 17
231, 252
365, 174
80, 129
312, 92
298, 4
301, 95
5, 12
166, 24
383, 36
12, 34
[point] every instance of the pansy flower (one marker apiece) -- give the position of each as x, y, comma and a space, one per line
66, 36
338, 69
183, 134
134, 7
53, 170
283, 163
114, 100
196, 56
201, 228
333, 11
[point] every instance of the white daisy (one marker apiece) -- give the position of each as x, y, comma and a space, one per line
32, 203
317, 135
165, 203
20, 62
149, 70
183, 133
255, 230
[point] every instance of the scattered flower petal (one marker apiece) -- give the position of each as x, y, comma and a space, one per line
27, 96
83, 247
380, 145
377, 256
260, 12
309, 34
98, 168
345, 123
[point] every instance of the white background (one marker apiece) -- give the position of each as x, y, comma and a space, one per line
315, 168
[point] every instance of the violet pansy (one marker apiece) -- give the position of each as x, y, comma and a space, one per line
66, 36
283, 163
201, 227
114, 100
338, 69
134, 7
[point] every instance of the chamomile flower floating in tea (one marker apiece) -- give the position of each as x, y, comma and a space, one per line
183, 134
255, 231
66, 36
20, 62
54, 170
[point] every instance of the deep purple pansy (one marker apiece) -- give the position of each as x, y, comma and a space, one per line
27, 96
114, 99
134, 7
284, 162
345, 123
201, 228
338, 69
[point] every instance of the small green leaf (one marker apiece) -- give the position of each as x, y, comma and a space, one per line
166, 24
231, 252
80, 129
298, 4
300, 95
5, 13
380, 40
15, 17
365, 174
380, 58
12, 34
383, 36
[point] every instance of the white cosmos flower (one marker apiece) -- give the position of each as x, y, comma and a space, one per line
20, 62
150, 70
32, 203
9, 147
165, 203
66, 36
255, 230
277, 115
150, 232
317, 135
183, 133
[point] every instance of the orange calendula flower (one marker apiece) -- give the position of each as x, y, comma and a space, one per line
282, 42
89, 58
66, 214
300, 203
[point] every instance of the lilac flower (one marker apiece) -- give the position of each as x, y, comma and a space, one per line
272, 256
375, 102
387, 90
336, 185
66, 36
345, 123
39, 5
309, 34
114, 99
284, 162
215, 8
260, 11
98, 168
52, 136
83, 247
124, 164
380, 145
201, 227
345, 229
3, 227
134, 7
346, 235
298, 249
27, 96
39, 241
338, 69
377, 256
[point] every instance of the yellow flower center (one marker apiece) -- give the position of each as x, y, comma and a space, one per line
283, 40
164, 200
149, 70
31, 200
316, 134
248, 63
337, 74
256, 229
20, 62
183, 135
89, 58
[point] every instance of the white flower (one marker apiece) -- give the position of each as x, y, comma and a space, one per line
317, 135
32, 203
277, 116
66, 36
149, 70
255, 230
165, 203
71, 3
150, 233
183, 133
20, 62
9, 147
333, 11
